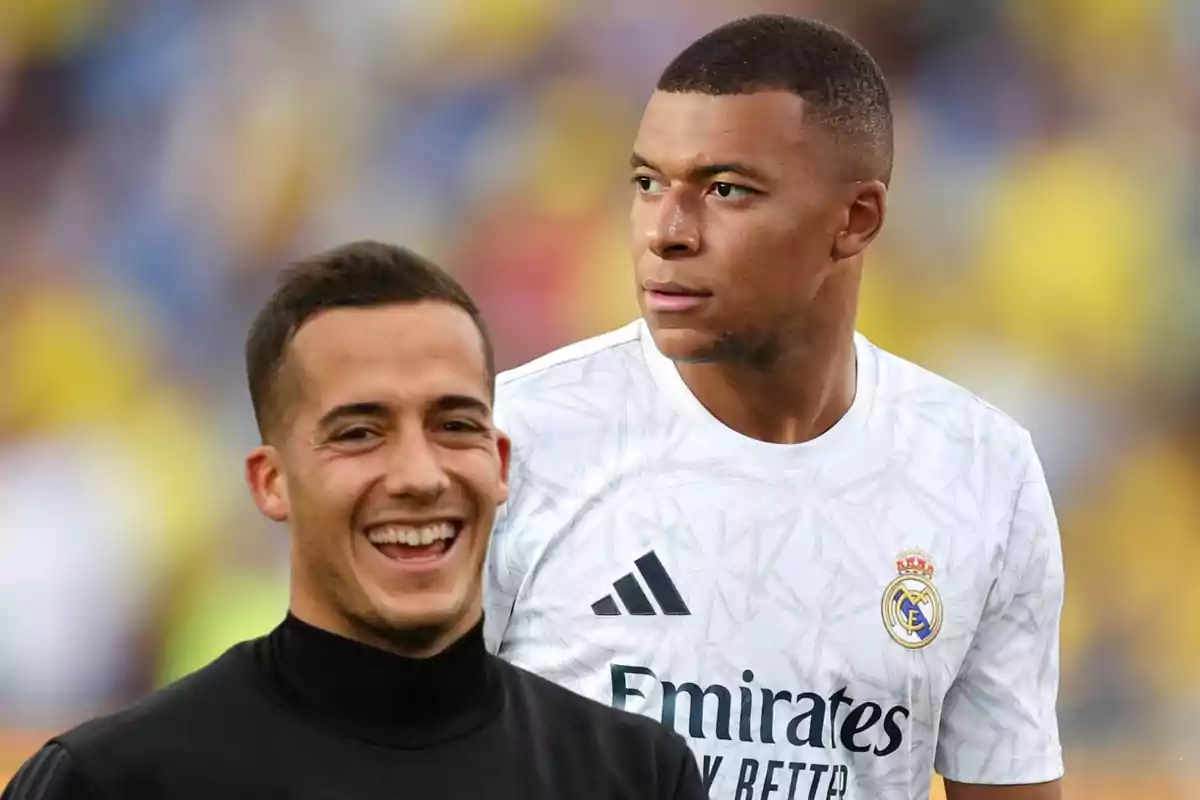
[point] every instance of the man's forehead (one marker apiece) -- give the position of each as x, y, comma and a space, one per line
693, 127
401, 349
398, 332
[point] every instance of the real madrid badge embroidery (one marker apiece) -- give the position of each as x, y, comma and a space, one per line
912, 607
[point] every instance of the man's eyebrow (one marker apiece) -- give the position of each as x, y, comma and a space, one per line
637, 162
706, 170
347, 410
461, 402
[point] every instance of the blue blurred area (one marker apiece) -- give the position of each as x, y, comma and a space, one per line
160, 160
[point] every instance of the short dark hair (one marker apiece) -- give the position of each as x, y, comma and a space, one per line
361, 274
840, 82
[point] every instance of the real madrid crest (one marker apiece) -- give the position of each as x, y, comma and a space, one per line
912, 607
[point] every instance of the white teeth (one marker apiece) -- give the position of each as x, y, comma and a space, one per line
414, 536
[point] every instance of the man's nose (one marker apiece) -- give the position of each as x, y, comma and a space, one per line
675, 231
414, 469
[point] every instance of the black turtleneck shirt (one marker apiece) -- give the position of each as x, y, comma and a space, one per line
302, 713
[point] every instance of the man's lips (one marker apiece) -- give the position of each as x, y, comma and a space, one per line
414, 542
671, 297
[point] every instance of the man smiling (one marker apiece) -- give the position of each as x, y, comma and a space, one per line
371, 376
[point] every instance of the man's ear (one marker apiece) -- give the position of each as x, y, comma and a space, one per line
268, 483
863, 220
504, 448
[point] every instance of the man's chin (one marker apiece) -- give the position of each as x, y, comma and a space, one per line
687, 345
418, 631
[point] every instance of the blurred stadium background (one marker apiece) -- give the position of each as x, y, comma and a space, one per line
159, 159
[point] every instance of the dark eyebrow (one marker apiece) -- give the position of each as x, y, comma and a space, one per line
461, 402
706, 170
352, 410
637, 162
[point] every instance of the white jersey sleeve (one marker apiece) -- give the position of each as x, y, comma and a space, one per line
999, 723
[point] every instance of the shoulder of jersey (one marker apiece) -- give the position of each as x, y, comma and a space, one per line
573, 358
581, 361
908, 390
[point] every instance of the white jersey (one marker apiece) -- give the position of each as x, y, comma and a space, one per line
833, 619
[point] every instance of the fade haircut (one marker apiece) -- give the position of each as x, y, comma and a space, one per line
842, 86
362, 274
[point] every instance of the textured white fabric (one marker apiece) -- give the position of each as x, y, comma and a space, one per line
771, 624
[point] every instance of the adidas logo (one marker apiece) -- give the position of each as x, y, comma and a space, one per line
634, 599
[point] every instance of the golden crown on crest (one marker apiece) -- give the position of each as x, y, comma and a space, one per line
915, 562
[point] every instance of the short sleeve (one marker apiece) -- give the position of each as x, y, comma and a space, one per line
999, 721
50, 774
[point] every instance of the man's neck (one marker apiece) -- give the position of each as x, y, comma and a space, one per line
378, 696
800, 397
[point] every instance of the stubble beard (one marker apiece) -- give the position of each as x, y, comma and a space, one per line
759, 352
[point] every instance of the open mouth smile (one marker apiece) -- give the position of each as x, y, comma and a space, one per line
415, 544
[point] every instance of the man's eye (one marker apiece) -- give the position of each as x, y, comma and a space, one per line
354, 435
461, 426
732, 190
647, 184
